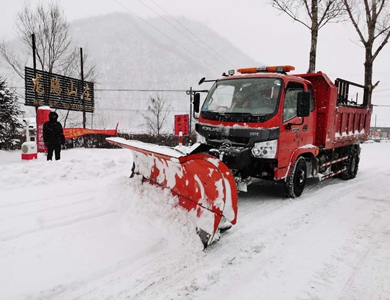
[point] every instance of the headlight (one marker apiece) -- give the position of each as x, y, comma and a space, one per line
265, 149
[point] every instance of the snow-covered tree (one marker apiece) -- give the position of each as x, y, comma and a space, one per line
10, 111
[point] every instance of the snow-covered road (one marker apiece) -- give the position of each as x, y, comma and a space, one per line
79, 228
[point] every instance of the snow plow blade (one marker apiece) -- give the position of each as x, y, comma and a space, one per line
203, 184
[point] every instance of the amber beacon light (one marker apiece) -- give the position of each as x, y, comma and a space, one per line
277, 69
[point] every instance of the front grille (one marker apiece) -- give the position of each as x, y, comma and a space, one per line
244, 137
234, 140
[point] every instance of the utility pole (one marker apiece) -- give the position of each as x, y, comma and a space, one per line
34, 65
191, 102
82, 87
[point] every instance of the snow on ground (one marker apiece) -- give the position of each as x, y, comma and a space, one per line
80, 228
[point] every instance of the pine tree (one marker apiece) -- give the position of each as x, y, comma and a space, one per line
10, 125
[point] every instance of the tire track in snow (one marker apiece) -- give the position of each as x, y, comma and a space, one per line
83, 218
47, 209
132, 267
341, 268
45, 199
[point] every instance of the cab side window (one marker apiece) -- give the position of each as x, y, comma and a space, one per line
291, 99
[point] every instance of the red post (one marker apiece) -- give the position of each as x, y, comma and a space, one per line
180, 138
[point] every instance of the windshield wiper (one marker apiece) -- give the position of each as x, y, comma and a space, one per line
241, 114
209, 112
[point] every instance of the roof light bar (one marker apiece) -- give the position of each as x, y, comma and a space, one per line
277, 69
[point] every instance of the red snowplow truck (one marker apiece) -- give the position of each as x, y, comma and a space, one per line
261, 123
266, 124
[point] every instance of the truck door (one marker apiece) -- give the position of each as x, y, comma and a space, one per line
293, 134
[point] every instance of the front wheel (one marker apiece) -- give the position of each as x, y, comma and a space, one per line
295, 183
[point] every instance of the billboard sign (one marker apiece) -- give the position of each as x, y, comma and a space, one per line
182, 125
57, 91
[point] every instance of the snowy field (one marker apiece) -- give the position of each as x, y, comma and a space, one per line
80, 228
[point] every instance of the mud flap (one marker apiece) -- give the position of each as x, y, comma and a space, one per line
203, 184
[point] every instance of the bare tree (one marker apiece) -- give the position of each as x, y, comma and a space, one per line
55, 51
313, 14
371, 20
156, 115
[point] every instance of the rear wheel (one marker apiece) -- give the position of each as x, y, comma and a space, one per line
352, 164
295, 183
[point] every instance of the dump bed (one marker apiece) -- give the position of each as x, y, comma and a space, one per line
340, 122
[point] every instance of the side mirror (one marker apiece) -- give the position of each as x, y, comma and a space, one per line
303, 104
196, 102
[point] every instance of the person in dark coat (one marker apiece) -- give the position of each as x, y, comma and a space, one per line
53, 136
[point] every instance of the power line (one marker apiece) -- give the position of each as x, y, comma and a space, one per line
356, 73
218, 55
136, 90
192, 33
165, 34
124, 90
380, 91
136, 110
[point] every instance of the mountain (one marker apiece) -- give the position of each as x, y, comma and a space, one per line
149, 54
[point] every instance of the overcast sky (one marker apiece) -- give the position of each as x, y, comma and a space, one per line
256, 28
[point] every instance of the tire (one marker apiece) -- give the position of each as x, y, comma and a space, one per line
352, 164
295, 183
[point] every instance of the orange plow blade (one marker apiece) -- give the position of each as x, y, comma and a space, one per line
203, 184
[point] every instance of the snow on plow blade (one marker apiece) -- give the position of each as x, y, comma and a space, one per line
203, 184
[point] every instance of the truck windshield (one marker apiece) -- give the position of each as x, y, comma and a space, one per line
255, 96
